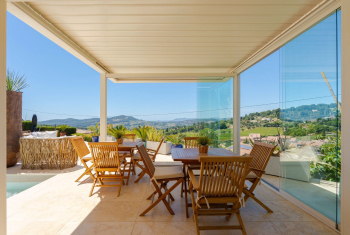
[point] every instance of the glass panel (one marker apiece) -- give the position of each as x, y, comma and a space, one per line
215, 112
260, 111
310, 162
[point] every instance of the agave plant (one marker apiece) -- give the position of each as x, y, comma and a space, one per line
142, 132
95, 130
15, 82
155, 135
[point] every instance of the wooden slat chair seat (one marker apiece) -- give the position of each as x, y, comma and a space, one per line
136, 160
84, 155
106, 162
261, 154
160, 177
219, 189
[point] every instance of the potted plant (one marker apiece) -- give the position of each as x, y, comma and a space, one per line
142, 132
176, 140
15, 83
154, 137
118, 132
203, 142
95, 132
63, 129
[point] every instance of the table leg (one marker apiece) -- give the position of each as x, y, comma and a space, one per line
185, 185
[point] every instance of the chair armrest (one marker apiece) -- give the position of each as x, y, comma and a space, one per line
254, 169
193, 179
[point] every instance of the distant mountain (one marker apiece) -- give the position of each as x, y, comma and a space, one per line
127, 121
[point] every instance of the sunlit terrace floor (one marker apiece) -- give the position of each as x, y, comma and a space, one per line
321, 196
61, 206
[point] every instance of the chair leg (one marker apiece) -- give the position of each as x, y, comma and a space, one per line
240, 221
194, 206
120, 187
196, 221
140, 177
162, 197
251, 195
92, 188
87, 171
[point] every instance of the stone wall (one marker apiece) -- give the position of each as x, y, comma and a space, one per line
13, 125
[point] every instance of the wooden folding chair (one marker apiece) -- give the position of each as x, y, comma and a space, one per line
106, 160
219, 189
261, 154
136, 160
130, 137
160, 177
190, 142
83, 154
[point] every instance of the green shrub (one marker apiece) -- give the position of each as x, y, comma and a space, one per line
155, 135
87, 137
27, 125
69, 130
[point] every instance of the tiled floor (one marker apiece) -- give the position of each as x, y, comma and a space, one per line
61, 206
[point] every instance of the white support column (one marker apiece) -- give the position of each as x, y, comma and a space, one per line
236, 114
345, 117
2, 117
103, 107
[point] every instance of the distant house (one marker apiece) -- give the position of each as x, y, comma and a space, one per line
254, 136
266, 119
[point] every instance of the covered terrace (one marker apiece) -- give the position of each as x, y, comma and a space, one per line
164, 42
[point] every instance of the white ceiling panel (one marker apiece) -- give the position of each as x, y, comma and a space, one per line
179, 36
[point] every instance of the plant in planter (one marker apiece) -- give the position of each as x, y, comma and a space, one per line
118, 132
203, 142
142, 132
155, 135
95, 132
176, 140
15, 83
63, 129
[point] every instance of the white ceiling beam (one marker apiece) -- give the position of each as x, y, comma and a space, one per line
169, 77
25, 13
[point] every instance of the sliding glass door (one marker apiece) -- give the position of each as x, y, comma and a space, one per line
310, 114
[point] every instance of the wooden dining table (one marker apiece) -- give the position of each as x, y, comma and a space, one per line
128, 146
191, 156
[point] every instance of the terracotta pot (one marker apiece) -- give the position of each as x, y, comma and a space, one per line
62, 133
203, 148
13, 126
119, 141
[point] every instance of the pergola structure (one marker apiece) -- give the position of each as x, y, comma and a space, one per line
175, 41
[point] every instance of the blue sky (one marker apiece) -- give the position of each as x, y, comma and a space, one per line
61, 86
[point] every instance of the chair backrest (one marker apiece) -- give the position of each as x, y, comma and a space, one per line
149, 167
105, 154
130, 136
80, 146
261, 154
155, 154
222, 176
191, 142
